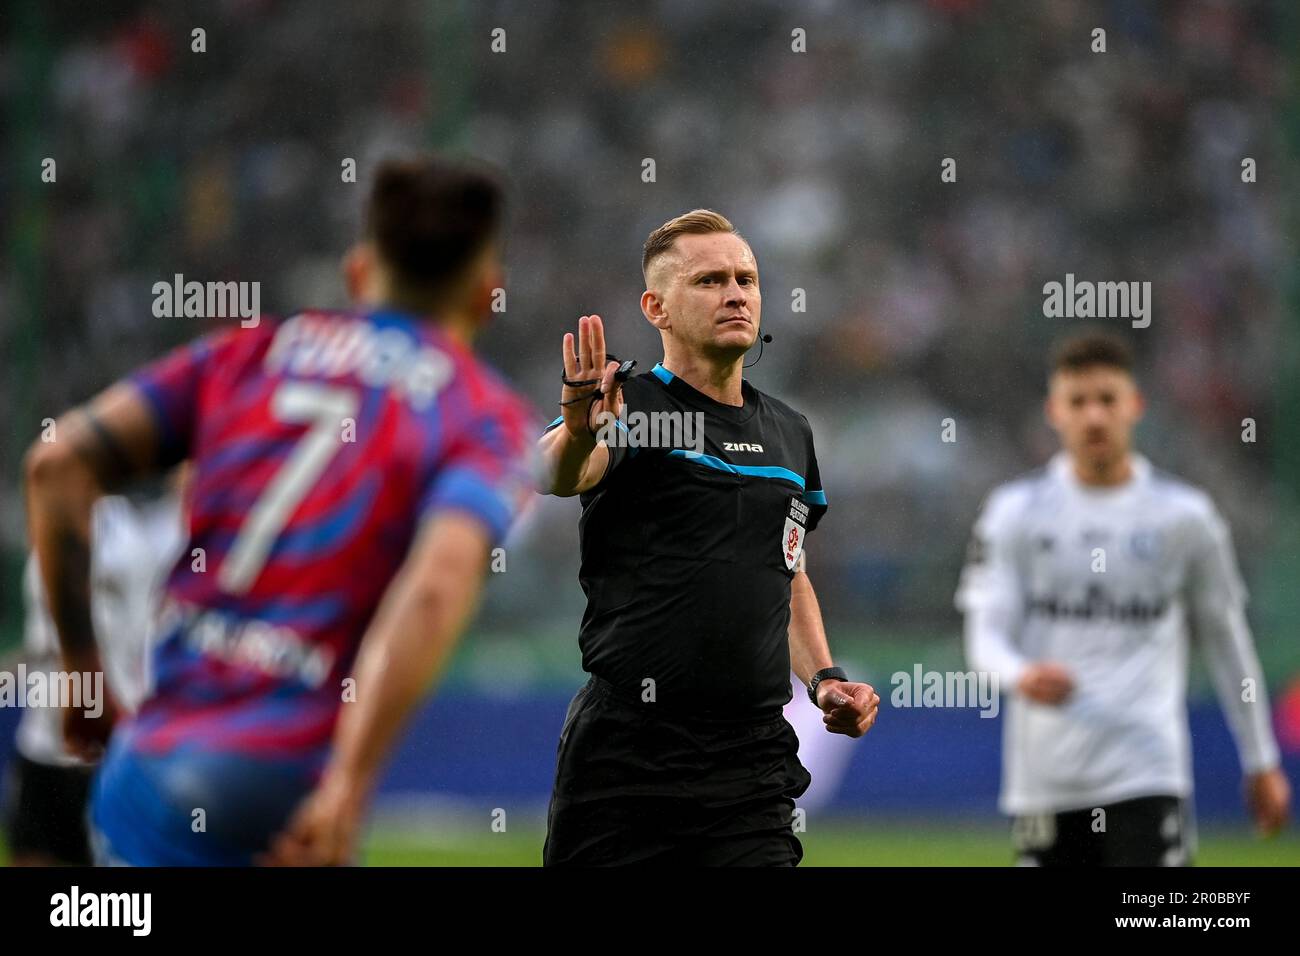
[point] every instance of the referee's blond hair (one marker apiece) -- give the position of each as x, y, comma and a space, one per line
697, 222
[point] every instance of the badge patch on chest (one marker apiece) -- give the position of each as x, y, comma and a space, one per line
796, 523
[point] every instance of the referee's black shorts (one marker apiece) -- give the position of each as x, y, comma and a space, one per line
634, 784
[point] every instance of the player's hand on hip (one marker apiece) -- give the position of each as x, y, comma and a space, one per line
588, 363
323, 831
848, 708
1045, 683
1268, 795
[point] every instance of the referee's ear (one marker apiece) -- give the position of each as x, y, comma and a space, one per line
652, 307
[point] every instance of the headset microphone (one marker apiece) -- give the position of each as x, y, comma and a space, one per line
764, 338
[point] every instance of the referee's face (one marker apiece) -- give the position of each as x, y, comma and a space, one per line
710, 294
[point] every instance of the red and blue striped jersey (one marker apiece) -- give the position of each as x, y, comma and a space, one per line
319, 445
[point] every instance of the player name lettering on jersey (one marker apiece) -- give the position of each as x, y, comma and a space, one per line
1098, 605
274, 649
312, 345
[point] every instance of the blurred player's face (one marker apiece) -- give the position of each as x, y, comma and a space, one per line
1094, 411
703, 294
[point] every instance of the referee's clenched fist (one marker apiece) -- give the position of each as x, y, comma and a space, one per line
848, 708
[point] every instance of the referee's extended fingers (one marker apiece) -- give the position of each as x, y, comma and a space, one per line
597, 343
607, 383
612, 390
570, 360
584, 343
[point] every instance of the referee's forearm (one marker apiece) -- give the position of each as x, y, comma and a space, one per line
566, 459
809, 650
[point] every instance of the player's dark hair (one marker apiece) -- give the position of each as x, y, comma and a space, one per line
1090, 350
429, 218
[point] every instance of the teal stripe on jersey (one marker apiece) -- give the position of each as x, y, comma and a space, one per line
618, 422
753, 471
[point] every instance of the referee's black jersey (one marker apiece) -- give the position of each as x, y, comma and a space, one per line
687, 557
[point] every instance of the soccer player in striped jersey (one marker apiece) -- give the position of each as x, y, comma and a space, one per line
1083, 584
352, 471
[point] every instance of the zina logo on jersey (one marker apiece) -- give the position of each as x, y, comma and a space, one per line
793, 533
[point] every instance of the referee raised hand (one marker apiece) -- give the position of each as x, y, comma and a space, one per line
588, 364
597, 397
695, 510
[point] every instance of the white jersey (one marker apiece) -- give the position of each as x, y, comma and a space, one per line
1110, 583
133, 547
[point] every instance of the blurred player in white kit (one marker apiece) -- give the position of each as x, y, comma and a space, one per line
1083, 584
135, 542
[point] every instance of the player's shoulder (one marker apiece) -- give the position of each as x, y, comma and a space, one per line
1181, 498
236, 336
1010, 501
231, 347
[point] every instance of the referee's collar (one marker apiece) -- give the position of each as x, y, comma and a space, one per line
736, 414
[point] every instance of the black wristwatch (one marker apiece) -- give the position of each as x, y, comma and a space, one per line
834, 673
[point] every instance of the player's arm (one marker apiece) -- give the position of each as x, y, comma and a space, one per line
93, 448
406, 647
848, 707
572, 459
1216, 601
991, 597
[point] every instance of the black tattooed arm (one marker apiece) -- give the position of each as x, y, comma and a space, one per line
90, 450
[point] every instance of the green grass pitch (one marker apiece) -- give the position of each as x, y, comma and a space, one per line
900, 843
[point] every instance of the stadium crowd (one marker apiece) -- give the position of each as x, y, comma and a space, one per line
923, 297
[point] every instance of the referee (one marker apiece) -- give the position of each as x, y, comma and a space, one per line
698, 605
